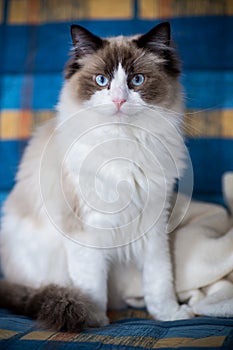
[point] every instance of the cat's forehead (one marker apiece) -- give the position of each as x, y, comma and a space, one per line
121, 51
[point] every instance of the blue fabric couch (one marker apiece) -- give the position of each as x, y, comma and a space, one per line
34, 44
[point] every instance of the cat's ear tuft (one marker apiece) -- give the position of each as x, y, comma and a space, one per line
84, 41
160, 35
158, 41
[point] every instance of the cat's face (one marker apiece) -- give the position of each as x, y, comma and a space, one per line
122, 72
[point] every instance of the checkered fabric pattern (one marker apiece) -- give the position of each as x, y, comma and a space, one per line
34, 45
130, 330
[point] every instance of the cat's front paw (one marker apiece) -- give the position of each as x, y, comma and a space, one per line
184, 312
172, 311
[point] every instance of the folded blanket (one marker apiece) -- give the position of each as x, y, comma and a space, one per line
202, 248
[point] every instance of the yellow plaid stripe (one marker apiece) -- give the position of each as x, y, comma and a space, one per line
19, 124
146, 342
149, 9
209, 123
38, 11
133, 341
7, 334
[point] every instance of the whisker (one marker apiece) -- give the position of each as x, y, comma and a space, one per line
191, 130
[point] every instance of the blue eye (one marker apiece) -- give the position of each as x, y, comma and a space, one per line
101, 80
138, 80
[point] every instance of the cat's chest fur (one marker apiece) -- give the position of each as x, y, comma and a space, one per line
118, 174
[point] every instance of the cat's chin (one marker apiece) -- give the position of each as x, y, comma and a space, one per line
130, 109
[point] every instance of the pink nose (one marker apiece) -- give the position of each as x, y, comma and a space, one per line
119, 103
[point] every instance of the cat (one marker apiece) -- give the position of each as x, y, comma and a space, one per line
92, 193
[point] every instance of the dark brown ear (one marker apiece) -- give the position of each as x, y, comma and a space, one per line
158, 36
84, 42
158, 41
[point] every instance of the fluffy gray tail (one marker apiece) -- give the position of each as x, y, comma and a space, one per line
56, 308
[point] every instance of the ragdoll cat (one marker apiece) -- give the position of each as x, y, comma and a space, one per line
92, 195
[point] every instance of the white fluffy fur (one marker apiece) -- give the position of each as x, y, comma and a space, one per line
202, 253
92, 194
